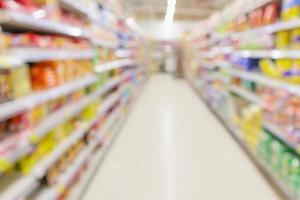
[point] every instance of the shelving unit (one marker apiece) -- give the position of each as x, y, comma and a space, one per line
114, 64
16, 106
77, 7
103, 43
260, 73
111, 84
274, 54
25, 21
246, 95
278, 133
264, 80
273, 28
27, 184
274, 181
40, 54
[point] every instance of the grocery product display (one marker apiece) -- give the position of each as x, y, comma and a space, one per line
245, 66
63, 92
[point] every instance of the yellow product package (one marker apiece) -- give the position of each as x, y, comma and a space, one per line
283, 65
282, 39
268, 68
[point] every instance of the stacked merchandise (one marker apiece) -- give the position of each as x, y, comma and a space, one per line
63, 93
249, 58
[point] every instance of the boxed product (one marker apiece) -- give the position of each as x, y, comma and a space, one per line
43, 76
46, 145
282, 39
256, 18
90, 111
290, 9
295, 39
271, 13
14, 83
15, 125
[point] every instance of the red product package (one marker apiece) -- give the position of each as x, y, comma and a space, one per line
20, 5
256, 18
271, 13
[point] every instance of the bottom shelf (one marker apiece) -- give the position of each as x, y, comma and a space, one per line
115, 124
88, 161
278, 185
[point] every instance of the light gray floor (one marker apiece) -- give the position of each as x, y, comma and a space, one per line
173, 148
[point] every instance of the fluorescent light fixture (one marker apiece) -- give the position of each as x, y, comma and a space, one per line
170, 12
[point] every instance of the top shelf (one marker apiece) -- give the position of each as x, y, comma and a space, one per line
273, 28
268, 29
76, 7
18, 20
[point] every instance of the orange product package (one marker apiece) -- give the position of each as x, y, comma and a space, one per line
271, 13
256, 18
47, 74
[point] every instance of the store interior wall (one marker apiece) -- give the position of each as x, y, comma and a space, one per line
161, 32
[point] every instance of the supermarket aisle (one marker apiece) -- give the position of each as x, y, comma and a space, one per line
172, 148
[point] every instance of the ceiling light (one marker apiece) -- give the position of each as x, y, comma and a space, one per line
170, 12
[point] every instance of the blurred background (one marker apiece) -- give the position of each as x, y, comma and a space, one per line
149, 99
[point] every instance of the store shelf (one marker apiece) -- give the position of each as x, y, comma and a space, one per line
11, 108
24, 21
278, 133
113, 65
223, 64
25, 147
208, 65
9, 61
64, 114
104, 43
88, 175
23, 187
115, 81
42, 167
217, 76
124, 53
96, 160
53, 192
203, 44
27, 184
249, 96
273, 28
79, 189
274, 54
112, 99
279, 186
215, 64
31, 54
264, 80
274, 181
76, 7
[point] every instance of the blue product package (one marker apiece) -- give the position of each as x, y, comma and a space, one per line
249, 64
287, 4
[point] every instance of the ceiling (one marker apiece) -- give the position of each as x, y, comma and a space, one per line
185, 9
